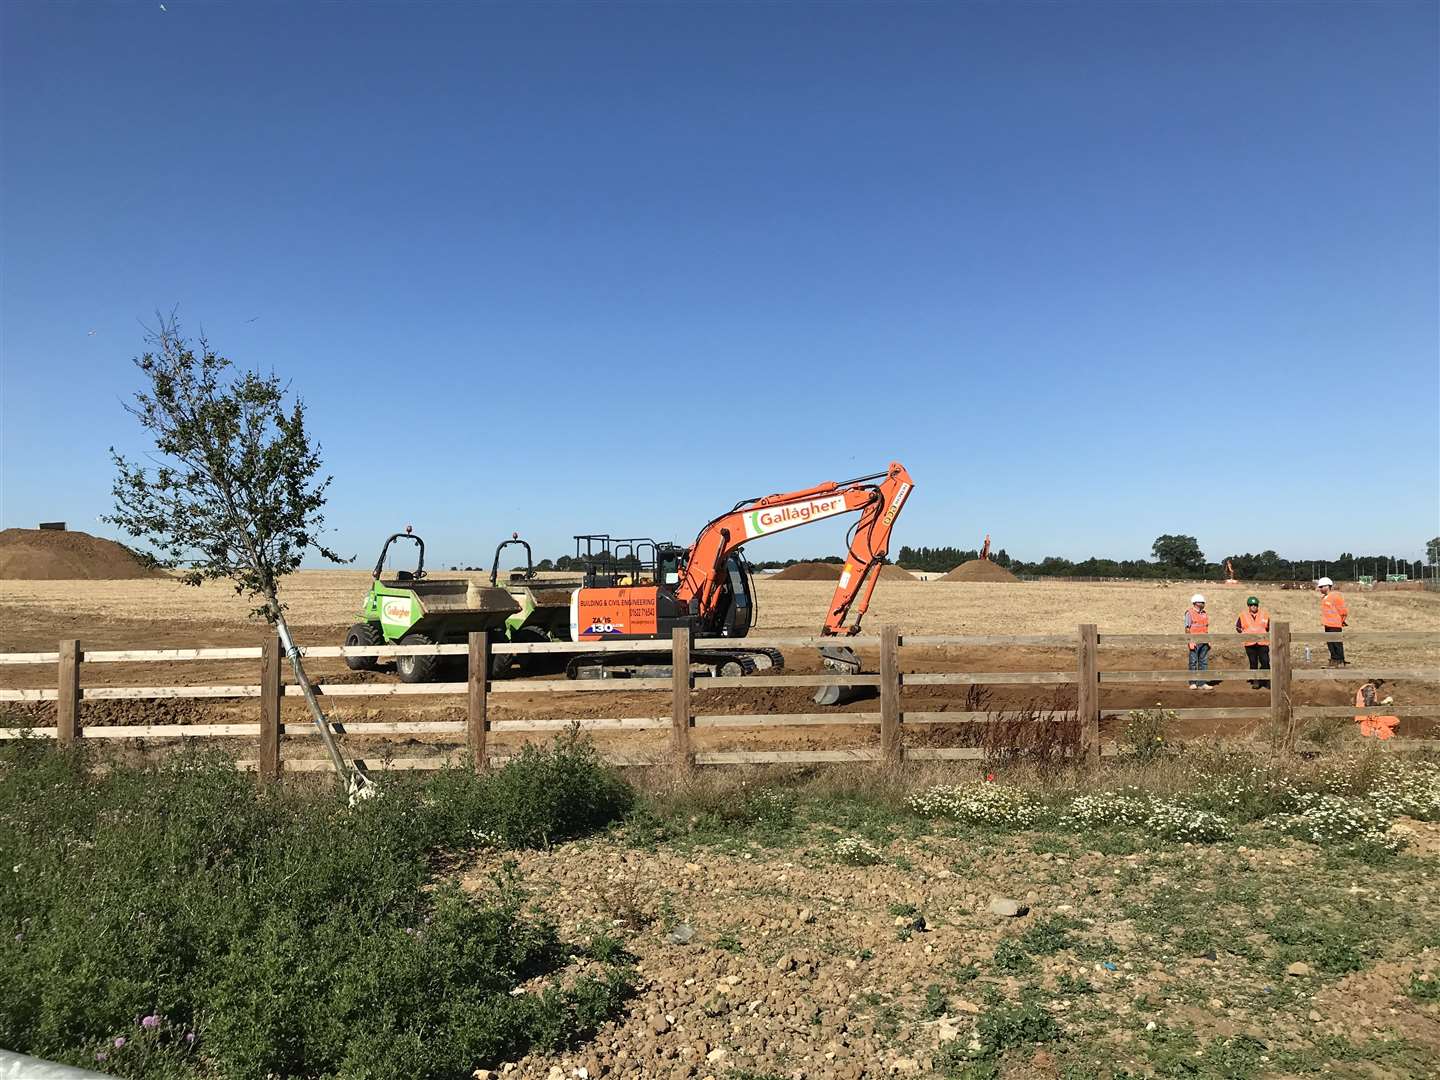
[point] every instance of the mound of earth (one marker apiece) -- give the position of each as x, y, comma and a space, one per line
822, 571
55, 555
809, 571
979, 570
891, 572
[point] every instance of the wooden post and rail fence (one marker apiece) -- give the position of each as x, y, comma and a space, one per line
1086, 674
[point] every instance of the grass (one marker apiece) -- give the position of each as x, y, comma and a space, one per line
171, 922
179, 896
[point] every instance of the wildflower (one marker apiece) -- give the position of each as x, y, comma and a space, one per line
189, 1038
120, 1041
150, 1023
101, 1055
978, 804
857, 852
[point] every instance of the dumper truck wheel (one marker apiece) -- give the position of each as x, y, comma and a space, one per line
537, 663
416, 668
500, 662
363, 635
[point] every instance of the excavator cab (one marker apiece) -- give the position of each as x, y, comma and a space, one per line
737, 600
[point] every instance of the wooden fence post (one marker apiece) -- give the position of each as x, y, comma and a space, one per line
892, 748
67, 700
478, 730
1087, 703
272, 693
1281, 717
680, 718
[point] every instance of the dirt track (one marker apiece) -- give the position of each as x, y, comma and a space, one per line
162, 614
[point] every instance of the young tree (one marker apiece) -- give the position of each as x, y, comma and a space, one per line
233, 491
1432, 551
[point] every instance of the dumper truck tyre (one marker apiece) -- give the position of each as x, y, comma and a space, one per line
500, 663
536, 663
363, 635
413, 669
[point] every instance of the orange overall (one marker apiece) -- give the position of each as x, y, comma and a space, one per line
1381, 727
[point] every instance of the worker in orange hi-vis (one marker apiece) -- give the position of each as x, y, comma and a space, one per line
1254, 623
1334, 614
1198, 622
1368, 696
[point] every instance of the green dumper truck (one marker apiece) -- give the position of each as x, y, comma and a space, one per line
408, 607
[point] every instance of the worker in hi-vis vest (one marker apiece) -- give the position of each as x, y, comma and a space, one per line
1254, 623
1368, 696
1333, 617
1198, 622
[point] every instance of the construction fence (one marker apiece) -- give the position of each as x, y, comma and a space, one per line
277, 743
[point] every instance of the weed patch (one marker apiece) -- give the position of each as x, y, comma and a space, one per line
282, 934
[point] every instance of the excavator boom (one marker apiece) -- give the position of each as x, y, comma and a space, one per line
879, 505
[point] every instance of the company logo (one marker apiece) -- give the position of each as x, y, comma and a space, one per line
775, 518
889, 518
605, 626
396, 610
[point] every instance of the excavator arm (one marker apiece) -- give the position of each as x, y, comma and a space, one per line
879, 505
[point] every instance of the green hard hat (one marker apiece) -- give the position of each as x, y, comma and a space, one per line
1252, 600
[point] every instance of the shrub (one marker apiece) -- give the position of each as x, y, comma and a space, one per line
1106, 808
856, 852
1172, 821
768, 809
987, 803
1408, 789
290, 935
543, 795
1144, 736
1338, 821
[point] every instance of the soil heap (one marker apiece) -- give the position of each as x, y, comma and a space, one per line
822, 571
979, 570
809, 571
891, 572
56, 555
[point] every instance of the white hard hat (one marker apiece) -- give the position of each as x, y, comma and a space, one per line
1197, 599
1323, 582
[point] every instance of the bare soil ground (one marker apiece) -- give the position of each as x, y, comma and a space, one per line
164, 614
1157, 960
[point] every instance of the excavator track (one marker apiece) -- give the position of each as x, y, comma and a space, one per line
727, 662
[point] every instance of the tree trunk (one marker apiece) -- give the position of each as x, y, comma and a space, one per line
342, 771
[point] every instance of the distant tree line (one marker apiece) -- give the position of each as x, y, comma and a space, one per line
1172, 556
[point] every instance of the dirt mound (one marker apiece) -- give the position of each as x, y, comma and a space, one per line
979, 570
53, 555
809, 571
823, 571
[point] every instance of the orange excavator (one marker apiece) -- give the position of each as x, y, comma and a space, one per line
635, 588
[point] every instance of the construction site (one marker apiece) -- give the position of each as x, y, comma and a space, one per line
61, 585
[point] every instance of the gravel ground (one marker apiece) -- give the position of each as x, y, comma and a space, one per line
1168, 960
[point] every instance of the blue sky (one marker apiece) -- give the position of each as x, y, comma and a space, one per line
1094, 272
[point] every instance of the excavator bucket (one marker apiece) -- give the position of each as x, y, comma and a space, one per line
841, 660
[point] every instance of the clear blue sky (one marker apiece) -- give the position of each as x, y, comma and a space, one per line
1094, 272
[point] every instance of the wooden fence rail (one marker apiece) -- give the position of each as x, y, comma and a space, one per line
1086, 675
